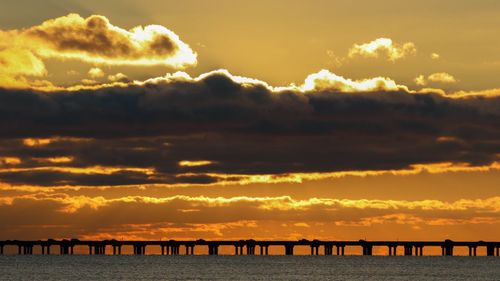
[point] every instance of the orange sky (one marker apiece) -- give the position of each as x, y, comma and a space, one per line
249, 119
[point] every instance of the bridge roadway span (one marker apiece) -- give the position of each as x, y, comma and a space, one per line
248, 247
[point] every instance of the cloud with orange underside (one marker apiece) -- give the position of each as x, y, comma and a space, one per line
214, 216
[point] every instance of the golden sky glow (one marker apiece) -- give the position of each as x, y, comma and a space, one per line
262, 119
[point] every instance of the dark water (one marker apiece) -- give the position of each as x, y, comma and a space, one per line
49, 268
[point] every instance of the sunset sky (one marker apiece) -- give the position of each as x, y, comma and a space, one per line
230, 119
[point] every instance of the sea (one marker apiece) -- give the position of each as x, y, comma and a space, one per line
137, 268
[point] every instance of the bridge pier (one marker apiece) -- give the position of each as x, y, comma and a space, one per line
490, 250
139, 249
328, 249
250, 249
340, 250
314, 250
117, 250
393, 250
213, 249
65, 250
189, 250
98, 249
419, 250
472, 251
1, 249
176, 250
367, 249
289, 249
25, 249
408, 250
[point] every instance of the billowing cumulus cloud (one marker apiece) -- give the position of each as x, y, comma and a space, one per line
383, 47
178, 130
93, 40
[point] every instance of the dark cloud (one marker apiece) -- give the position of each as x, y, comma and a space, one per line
242, 128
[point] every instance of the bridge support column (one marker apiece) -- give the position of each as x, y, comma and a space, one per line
340, 250
314, 250
117, 250
189, 250
408, 250
261, 250
419, 250
393, 250
27, 249
289, 249
65, 250
98, 250
448, 250
367, 250
139, 250
213, 249
490, 250
250, 250
472, 251
1, 249
328, 250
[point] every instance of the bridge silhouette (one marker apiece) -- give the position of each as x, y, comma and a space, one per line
248, 247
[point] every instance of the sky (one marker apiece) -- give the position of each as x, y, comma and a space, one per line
250, 119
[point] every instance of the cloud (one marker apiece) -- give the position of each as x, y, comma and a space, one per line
96, 40
383, 47
95, 73
325, 80
329, 126
93, 40
435, 56
440, 77
119, 77
88, 216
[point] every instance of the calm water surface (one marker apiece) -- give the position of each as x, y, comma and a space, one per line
133, 268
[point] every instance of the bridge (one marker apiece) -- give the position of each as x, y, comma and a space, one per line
248, 247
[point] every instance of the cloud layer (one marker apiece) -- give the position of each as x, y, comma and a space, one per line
223, 128
185, 216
